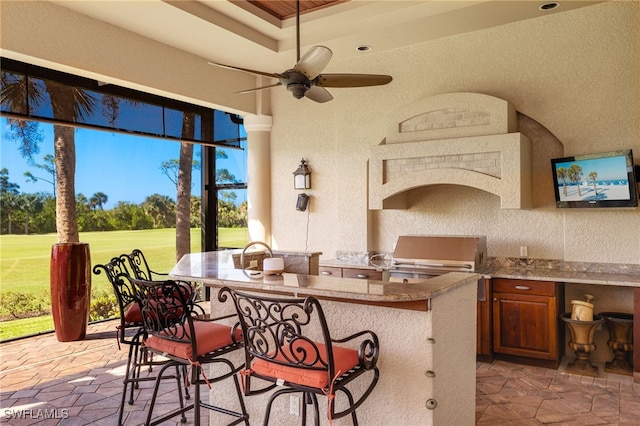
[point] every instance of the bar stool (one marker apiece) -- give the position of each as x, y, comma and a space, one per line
177, 328
129, 331
279, 348
620, 327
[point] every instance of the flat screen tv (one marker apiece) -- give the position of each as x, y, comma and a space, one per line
595, 180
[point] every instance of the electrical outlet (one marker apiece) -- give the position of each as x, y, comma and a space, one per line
294, 405
253, 264
524, 251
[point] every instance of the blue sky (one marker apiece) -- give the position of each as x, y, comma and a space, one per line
124, 167
607, 168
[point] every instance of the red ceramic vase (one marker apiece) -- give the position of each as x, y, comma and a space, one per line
70, 281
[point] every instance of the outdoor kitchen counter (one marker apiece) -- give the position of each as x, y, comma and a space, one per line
538, 274
214, 270
427, 356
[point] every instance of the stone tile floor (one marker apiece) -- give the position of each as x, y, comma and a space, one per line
81, 383
514, 394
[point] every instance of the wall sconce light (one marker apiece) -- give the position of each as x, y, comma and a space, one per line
302, 176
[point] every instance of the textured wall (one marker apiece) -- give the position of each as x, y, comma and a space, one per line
575, 73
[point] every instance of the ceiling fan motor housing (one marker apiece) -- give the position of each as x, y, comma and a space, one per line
296, 82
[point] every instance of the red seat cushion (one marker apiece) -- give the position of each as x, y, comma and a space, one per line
209, 336
344, 359
132, 313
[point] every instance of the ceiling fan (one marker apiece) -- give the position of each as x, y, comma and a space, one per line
305, 78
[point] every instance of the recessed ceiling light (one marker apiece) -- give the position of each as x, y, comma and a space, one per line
549, 6
363, 48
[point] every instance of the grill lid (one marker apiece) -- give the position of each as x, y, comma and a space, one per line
444, 252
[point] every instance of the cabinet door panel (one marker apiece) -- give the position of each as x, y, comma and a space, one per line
329, 271
525, 325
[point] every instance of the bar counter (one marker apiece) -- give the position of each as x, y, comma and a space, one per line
426, 330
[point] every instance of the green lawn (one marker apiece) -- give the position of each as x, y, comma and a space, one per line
24, 260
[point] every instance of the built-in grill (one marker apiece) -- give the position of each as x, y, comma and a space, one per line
418, 257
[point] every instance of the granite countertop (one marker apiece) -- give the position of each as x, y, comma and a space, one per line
623, 275
215, 269
597, 278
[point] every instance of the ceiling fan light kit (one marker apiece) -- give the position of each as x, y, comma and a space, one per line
305, 78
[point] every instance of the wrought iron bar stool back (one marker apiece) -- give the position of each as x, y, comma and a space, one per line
140, 267
178, 328
287, 343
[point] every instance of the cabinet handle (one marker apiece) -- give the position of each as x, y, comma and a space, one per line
523, 287
362, 275
326, 273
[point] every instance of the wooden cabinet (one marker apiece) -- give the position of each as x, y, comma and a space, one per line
526, 319
360, 273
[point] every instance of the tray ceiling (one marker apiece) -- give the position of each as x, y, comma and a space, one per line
260, 34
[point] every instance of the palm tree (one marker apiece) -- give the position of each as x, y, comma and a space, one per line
183, 188
68, 104
575, 175
70, 277
98, 200
593, 177
562, 174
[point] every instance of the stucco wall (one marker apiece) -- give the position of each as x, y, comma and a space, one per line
576, 73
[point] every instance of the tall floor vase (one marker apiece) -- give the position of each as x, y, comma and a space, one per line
70, 282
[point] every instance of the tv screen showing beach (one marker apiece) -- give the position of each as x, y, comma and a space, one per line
593, 179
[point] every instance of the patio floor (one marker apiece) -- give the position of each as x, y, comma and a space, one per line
81, 383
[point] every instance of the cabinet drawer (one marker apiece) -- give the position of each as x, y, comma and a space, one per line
328, 271
537, 288
365, 274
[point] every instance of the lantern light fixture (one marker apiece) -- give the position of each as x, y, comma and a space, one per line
302, 176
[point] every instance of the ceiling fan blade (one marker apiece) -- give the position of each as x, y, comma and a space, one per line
314, 61
352, 80
229, 67
260, 88
318, 94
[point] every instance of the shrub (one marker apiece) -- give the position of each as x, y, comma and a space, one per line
17, 305
24, 305
104, 305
